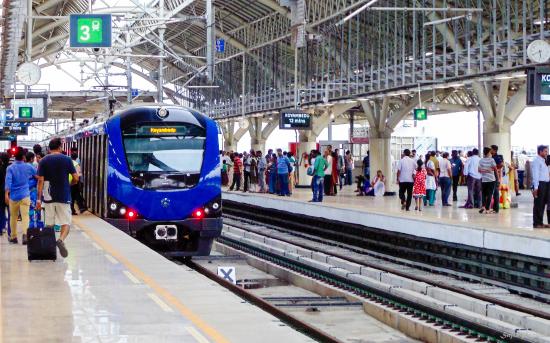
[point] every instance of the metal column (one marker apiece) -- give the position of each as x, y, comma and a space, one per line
160, 95
210, 40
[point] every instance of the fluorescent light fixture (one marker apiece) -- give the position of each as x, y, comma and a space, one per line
356, 12
538, 22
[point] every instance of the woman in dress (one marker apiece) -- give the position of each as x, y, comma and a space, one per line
419, 188
431, 185
253, 174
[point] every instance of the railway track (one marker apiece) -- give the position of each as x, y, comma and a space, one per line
456, 320
518, 273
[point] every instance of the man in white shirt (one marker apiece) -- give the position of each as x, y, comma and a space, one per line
541, 177
405, 178
473, 180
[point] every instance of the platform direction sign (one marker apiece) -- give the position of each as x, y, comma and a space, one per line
228, 273
6, 114
420, 114
90, 30
220, 45
135, 92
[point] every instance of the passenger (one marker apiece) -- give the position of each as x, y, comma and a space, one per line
457, 168
225, 178
4, 163
328, 187
513, 174
445, 178
246, 164
17, 194
541, 190
431, 184
419, 189
292, 174
366, 165
341, 169
283, 169
405, 178
30, 159
522, 160
76, 189
379, 184
253, 172
499, 160
37, 149
55, 189
237, 169
473, 181
335, 173
273, 174
488, 169
262, 166
230, 169
319, 167
348, 164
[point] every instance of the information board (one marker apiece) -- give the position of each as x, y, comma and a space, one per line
32, 109
15, 130
420, 114
538, 87
294, 119
90, 31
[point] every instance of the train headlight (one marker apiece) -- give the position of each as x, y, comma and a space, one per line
113, 206
122, 211
215, 206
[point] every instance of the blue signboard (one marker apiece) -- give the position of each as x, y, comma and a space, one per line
90, 30
220, 45
6, 115
135, 92
18, 124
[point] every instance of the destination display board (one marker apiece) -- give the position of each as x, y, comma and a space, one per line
90, 31
294, 119
15, 130
34, 108
538, 87
420, 114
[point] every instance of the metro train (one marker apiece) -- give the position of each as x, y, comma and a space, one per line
153, 171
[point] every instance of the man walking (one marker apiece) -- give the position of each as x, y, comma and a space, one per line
17, 194
405, 179
499, 160
539, 171
54, 188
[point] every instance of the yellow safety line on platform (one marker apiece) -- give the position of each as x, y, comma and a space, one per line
167, 296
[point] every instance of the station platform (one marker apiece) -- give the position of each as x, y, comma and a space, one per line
111, 288
510, 230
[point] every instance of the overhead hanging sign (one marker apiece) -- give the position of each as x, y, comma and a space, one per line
31, 109
90, 31
294, 119
538, 87
420, 114
15, 130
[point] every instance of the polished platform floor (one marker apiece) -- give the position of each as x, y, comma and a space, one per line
113, 289
509, 230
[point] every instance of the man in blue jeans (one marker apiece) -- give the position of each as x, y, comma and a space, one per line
319, 167
283, 168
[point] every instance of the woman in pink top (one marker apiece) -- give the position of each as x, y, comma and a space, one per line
419, 189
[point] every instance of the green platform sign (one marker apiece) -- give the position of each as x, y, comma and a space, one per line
90, 30
420, 114
25, 112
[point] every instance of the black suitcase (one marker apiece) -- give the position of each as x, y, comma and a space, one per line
41, 244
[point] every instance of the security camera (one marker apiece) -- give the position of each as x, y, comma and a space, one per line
96, 50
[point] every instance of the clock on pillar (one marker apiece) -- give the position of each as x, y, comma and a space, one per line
29, 73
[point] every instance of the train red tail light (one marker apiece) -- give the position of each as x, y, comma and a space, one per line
198, 214
131, 214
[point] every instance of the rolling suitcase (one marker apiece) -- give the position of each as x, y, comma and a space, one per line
41, 241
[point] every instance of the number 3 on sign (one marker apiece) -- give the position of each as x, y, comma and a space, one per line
84, 33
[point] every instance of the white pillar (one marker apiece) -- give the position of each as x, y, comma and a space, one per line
304, 147
380, 158
502, 138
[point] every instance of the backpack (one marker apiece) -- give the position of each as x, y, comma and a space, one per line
310, 171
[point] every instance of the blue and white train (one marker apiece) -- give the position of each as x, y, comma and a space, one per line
153, 171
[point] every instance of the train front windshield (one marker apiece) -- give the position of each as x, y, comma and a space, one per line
164, 151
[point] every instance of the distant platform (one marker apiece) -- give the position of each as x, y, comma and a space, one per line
510, 230
111, 288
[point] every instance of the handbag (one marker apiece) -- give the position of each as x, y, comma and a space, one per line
310, 171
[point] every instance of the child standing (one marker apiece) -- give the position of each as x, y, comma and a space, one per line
419, 189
